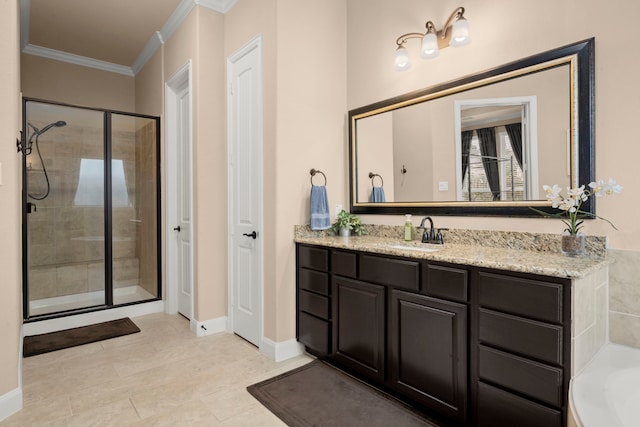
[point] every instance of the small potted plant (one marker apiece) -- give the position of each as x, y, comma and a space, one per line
572, 240
346, 224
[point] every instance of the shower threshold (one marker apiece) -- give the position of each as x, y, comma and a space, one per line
87, 299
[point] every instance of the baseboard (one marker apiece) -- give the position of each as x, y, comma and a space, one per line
208, 327
280, 351
10, 403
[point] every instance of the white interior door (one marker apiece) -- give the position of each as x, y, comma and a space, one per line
179, 147
245, 191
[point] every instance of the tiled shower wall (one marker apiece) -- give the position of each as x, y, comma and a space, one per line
624, 298
146, 196
66, 242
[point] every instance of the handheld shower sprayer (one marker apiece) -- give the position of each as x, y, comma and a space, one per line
37, 133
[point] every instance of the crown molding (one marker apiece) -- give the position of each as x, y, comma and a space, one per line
149, 50
222, 6
83, 61
157, 39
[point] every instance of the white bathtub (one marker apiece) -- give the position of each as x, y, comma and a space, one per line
607, 392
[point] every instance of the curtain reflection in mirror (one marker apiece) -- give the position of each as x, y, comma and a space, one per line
490, 167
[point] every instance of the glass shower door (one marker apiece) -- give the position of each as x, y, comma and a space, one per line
91, 209
134, 207
65, 217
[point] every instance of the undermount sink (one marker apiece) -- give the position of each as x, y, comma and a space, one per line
414, 248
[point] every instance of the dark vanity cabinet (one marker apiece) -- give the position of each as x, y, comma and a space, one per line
313, 326
428, 341
469, 345
428, 352
399, 323
359, 327
522, 349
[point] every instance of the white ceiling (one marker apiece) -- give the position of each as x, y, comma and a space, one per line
113, 35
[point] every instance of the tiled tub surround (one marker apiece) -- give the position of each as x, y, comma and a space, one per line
506, 251
624, 298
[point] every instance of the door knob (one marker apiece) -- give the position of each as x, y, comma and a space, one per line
177, 229
253, 234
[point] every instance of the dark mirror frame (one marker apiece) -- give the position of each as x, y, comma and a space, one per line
584, 72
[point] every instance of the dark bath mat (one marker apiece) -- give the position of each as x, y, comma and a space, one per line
44, 343
318, 394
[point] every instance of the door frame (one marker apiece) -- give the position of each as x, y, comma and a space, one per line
253, 44
172, 85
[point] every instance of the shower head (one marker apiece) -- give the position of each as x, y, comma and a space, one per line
57, 124
49, 126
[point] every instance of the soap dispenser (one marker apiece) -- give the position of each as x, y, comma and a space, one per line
408, 228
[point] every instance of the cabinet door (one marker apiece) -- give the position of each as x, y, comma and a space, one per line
359, 326
428, 352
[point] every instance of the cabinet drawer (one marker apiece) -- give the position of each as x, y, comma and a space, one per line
534, 379
500, 408
343, 263
314, 258
313, 333
313, 304
527, 337
445, 282
530, 298
313, 281
392, 272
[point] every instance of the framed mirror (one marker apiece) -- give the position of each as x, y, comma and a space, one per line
484, 144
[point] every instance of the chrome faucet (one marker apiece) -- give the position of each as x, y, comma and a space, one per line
432, 235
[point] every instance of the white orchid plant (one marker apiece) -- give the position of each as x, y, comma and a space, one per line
570, 205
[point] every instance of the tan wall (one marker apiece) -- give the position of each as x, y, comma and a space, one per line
210, 166
199, 39
311, 128
375, 154
414, 152
51, 80
149, 87
304, 127
10, 250
501, 32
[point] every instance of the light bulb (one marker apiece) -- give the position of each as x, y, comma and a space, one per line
460, 34
402, 59
429, 46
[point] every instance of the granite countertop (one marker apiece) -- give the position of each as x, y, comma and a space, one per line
547, 263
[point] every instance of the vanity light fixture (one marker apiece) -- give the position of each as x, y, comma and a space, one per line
454, 33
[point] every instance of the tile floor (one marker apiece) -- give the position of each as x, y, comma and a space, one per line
162, 376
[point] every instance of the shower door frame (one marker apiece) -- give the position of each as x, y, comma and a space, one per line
108, 213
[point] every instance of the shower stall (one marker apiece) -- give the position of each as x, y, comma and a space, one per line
91, 209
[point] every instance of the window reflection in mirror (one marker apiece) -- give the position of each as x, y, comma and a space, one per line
496, 149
